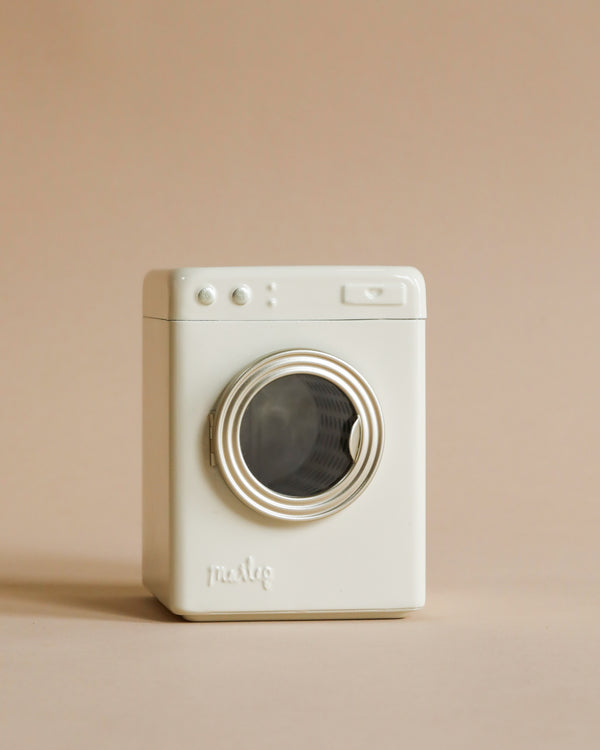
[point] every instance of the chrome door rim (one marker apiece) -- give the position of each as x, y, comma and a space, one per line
227, 423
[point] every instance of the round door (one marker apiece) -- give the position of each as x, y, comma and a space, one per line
298, 435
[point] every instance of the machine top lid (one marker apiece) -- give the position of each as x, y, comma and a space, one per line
285, 293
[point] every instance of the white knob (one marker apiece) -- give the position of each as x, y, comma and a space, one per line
207, 295
242, 295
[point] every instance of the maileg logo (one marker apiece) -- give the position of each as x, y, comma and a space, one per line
246, 572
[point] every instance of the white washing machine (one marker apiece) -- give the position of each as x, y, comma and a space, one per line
284, 441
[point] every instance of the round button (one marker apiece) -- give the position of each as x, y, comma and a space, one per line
242, 295
207, 295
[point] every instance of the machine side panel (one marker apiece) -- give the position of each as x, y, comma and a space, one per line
156, 566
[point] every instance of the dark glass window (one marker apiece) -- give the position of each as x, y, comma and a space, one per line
295, 435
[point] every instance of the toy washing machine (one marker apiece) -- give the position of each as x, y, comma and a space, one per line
284, 441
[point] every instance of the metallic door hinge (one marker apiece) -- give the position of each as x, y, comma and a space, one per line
211, 423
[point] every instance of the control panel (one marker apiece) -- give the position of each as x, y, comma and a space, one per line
286, 292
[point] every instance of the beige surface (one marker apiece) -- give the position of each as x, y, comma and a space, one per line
461, 137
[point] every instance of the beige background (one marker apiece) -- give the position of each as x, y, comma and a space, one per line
461, 137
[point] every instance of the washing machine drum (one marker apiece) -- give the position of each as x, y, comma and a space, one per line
297, 435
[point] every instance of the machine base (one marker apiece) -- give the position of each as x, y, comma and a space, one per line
340, 614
